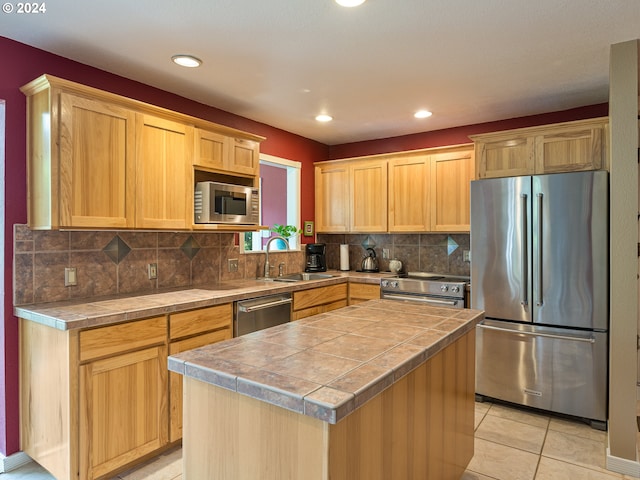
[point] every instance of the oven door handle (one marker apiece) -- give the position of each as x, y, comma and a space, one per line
450, 303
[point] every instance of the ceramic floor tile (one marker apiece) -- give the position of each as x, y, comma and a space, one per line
30, 471
573, 449
469, 475
520, 415
501, 462
481, 410
550, 469
511, 433
167, 466
577, 428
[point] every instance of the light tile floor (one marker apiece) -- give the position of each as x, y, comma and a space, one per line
510, 444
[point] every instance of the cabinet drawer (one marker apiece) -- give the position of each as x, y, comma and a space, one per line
308, 312
199, 341
364, 291
105, 341
185, 324
319, 296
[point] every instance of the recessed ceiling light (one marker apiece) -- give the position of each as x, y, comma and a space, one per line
187, 61
323, 117
422, 114
350, 3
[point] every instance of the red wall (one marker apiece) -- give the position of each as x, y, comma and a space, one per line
21, 64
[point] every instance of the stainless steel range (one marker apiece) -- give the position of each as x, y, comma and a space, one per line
430, 288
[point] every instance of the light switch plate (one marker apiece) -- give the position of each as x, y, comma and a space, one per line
152, 268
70, 277
232, 264
385, 253
466, 255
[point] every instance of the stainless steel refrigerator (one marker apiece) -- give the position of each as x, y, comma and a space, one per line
540, 271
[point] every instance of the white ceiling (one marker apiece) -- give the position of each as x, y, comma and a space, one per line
283, 61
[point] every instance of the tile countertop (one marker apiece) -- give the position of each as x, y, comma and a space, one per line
328, 365
85, 313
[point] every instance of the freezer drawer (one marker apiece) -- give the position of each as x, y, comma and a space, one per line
556, 369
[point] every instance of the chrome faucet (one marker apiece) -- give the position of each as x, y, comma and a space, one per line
266, 262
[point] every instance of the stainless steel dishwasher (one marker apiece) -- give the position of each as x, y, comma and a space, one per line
259, 313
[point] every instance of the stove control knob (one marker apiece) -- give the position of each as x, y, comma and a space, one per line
455, 289
394, 284
443, 288
384, 283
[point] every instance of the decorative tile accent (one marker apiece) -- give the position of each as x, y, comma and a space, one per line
116, 249
451, 245
190, 247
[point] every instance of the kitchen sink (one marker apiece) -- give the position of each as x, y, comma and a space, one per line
299, 277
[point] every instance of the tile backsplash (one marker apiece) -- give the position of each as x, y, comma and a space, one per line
116, 262
419, 252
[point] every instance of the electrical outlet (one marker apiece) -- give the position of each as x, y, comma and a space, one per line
152, 269
70, 277
232, 263
385, 253
466, 256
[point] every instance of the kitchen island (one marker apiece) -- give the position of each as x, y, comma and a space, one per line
380, 390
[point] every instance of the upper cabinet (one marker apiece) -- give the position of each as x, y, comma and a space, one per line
226, 154
420, 191
94, 170
561, 147
98, 160
163, 152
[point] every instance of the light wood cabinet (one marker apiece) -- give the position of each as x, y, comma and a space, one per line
368, 192
99, 160
189, 330
332, 198
94, 401
451, 175
409, 193
123, 399
163, 196
421, 191
361, 292
310, 302
222, 153
561, 147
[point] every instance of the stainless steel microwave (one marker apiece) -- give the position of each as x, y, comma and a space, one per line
216, 202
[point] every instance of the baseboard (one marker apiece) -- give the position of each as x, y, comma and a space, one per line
622, 465
13, 462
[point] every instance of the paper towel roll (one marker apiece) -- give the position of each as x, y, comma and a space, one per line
344, 257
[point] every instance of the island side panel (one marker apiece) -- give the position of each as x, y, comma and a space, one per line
229, 435
48, 410
420, 428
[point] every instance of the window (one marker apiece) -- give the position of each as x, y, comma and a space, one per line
279, 201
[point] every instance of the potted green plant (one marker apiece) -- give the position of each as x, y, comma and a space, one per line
285, 231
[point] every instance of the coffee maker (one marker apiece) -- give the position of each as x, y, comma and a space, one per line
316, 257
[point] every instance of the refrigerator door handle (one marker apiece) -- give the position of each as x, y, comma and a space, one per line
525, 255
538, 334
539, 253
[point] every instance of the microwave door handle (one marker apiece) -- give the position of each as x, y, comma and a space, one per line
524, 252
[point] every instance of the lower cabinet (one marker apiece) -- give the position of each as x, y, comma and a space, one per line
361, 292
318, 300
95, 401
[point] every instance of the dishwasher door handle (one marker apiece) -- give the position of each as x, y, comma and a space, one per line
588, 339
262, 306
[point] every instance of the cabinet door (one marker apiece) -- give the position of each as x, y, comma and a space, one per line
163, 160
123, 410
507, 157
451, 175
570, 149
368, 181
409, 183
96, 164
212, 150
244, 157
332, 198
